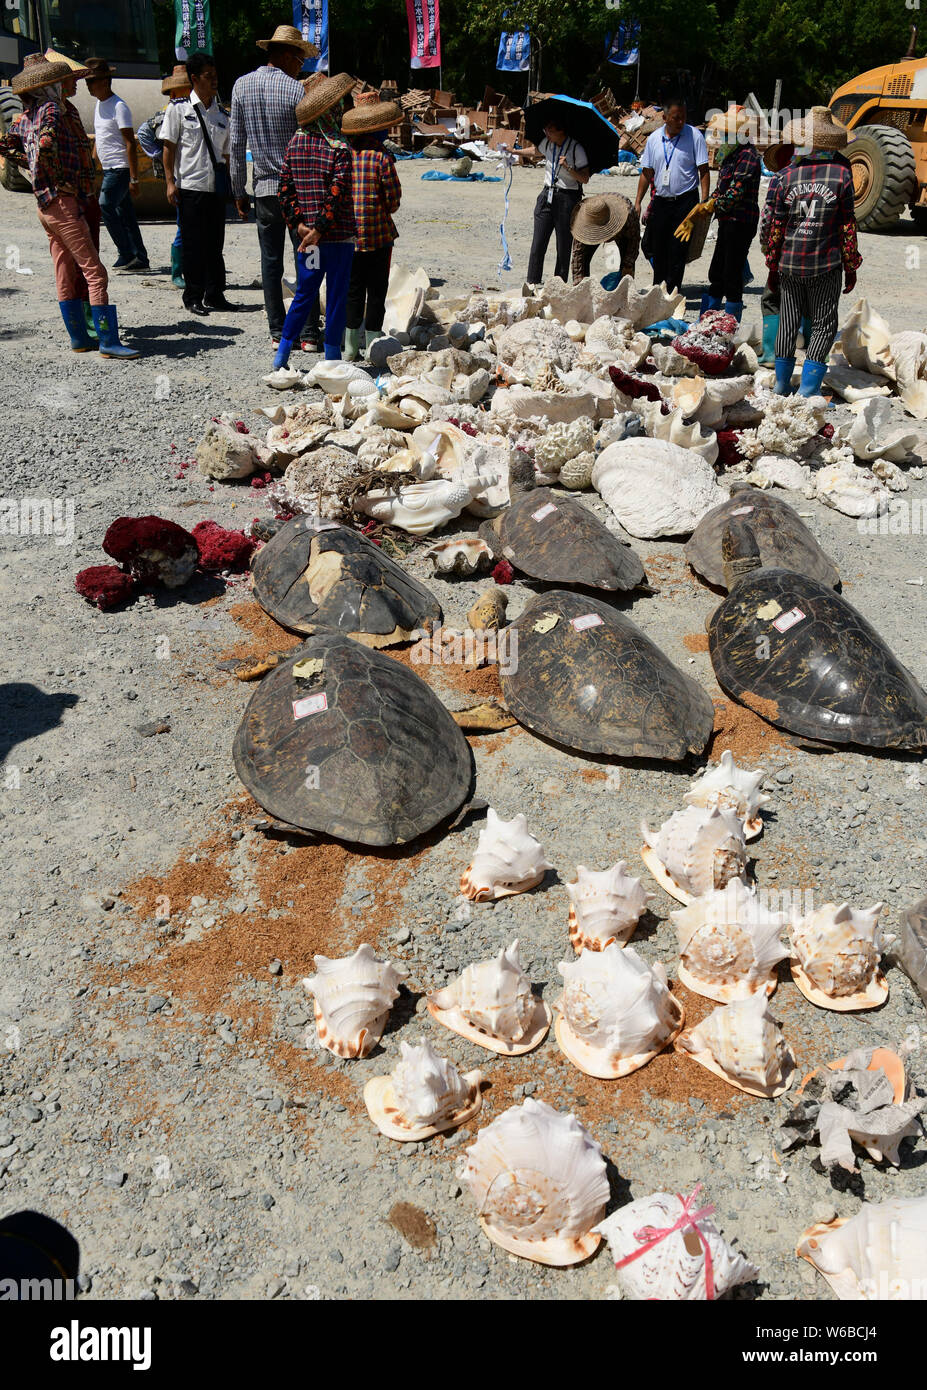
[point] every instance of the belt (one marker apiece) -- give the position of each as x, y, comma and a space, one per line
663, 198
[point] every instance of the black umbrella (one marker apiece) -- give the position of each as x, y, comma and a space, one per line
582, 122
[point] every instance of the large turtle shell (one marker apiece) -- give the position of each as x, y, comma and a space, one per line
307, 578
782, 537
559, 540
587, 677
358, 747
806, 660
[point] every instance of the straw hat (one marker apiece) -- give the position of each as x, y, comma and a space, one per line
371, 116
322, 95
734, 126
99, 67
291, 38
38, 72
599, 219
78, 70
179, 80
817, 131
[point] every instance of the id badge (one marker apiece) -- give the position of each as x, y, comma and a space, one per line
550, 194
664, 182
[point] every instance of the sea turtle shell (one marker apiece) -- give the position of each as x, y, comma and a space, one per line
802, 657
308, 577
344, 741
587, 677
559, 540
782, 537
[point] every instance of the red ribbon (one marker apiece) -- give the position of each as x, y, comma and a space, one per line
649, 1236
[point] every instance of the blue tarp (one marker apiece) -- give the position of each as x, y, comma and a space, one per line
471, 178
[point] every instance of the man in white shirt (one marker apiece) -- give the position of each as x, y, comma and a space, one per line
195, 137
566, 169
118, 155
675, 163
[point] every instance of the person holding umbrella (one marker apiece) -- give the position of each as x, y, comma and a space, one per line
675, 165
566, 169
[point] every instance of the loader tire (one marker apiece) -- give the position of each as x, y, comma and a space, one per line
884, 175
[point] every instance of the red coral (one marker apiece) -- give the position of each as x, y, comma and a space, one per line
469, 429
153, 550
729, 456
709, 343
827, 431
241, 427
221, 549
633, 386
105, 585
503, 573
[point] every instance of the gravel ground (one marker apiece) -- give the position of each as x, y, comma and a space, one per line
157, 1094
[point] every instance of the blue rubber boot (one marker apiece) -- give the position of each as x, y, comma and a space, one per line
735, 307
785, 366
106, 323
282, 355
72, 311
812, 374
88, 322
770, 334
708, 302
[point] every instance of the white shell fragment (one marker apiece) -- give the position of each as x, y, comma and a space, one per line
729, 944
870, 435
696, 851
672, 1269
341, 378
604, 907
352, 998
419, 508
877, 1255
835, 957
508, 860
615, 1013
466, 555
424, 1094
740, 1043
656, 488
731, 788
866, 341
492, 1004
539, 1182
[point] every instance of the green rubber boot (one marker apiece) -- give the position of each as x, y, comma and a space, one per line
88, 320
177, 267
370, 336
770, 333
351, 344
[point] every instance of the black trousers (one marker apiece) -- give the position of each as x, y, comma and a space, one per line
552, 218
202, 234
367, 290
726, 272
668, 255
272, 230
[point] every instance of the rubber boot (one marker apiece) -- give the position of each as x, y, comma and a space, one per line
106, 322
812, 374
770, 333
735, 307
88, 322
785, 366
177, 267
72, 311
708, 302
370, 336
805, 333
282, 355
351, 344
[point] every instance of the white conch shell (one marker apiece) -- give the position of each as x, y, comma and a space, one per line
615, 1013
673, 1269
466, 555
740, 1043
909, 353
604, 907
870, 436
850, 489
284, 379
704, 400
731, 788
491, 1003
341, 378
656, 488
352, 998
388, 417
866, 341
674, 428
508, 860
447, 444
835, 957
697, 850
419, 508
729, 944
424, 1094
877, 1255
539, 1182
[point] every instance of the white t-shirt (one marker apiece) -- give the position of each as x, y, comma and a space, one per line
110, 118
570, 150
674, 161
181, 127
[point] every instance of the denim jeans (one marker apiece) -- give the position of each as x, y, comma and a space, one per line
335, 259
271, 230
119, 215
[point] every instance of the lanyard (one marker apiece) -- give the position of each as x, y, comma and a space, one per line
554, 163
675, 143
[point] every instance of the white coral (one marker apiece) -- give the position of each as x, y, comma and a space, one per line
788, 424
576, 473
563, 442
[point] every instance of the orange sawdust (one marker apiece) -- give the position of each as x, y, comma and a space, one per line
743, 732
260, 633
695, 641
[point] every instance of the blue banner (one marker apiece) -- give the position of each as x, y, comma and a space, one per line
514, 52
623, 47
311, 19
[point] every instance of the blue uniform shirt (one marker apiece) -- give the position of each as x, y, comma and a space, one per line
674, 162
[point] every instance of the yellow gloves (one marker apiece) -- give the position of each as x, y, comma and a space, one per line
684, 230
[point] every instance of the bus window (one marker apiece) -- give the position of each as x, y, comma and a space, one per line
18, 17
120, 30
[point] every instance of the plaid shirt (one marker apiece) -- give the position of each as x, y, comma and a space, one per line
812, 224
766, 217
316, 187
737, 196
51, 139
264, 120
376, 194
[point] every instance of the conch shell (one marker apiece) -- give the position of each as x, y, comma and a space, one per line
729, 945
835, 958
672, 1269
604, 907
740, 1043
876, 1255
508, 860
539, 1182
615, 1013
491, 1004
731, 788
419, 508
697, 850
352, 998
424, 1094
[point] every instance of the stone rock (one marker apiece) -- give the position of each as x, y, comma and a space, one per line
380, 350
521, 403
224, 454
533, 344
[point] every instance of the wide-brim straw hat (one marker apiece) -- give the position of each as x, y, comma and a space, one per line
322, 95
599, 219
290, 37
732, 126
38, 72
179, 80
819, 130
371, 116
78, 70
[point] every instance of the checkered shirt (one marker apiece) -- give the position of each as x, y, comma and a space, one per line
737, 196
52, 141
812, 224
264, 121
316, 187
376, 194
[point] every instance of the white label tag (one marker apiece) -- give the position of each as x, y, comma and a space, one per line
789, 619
543, 511
586, 620
664, 182
742, 511
310, 704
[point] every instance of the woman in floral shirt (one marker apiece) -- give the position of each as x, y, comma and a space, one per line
737, 210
